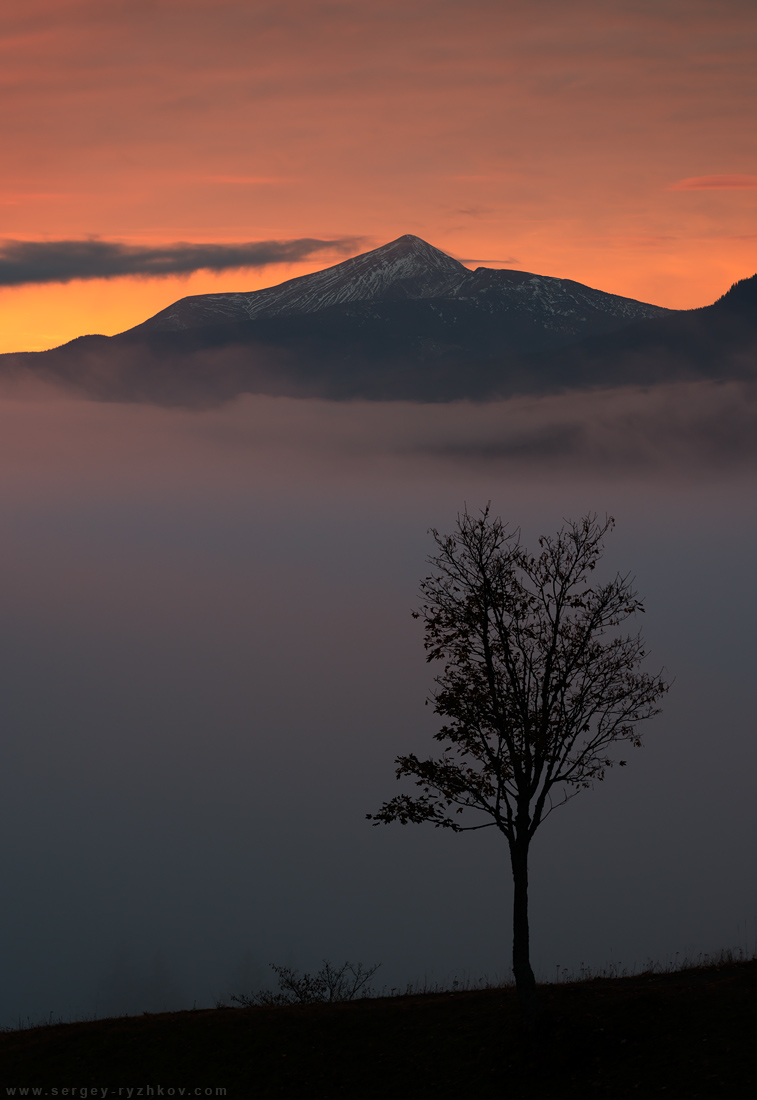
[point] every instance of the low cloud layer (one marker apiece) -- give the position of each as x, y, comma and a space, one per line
693, 429
209, 665
690, 429
24, 262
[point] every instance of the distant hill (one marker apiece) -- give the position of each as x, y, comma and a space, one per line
404, 321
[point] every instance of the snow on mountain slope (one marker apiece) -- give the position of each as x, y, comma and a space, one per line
407, 268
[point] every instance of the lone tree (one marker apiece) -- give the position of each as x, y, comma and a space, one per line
537, 686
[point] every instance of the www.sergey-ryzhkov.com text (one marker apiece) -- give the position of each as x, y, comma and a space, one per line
89, 1092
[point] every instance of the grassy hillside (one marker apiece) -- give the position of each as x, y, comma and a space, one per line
688, 1034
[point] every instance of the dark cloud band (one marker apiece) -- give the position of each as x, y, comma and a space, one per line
62, 261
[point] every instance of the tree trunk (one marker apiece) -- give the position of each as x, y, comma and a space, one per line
525, 982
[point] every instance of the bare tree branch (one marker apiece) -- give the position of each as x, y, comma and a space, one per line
538, 682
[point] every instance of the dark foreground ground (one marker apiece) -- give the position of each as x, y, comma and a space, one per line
689, 1034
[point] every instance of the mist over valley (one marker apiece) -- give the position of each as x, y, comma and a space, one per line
209, 665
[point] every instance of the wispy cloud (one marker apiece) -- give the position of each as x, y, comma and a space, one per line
714, 183
508, 262
24, 262
257, 180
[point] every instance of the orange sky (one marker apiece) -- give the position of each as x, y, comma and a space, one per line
608, 141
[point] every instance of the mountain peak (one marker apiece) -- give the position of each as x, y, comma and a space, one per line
410, 243
410, 269
406, 268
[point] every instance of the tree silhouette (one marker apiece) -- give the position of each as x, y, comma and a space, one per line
538, 684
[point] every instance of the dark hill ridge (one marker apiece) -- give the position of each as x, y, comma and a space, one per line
741, 298
688, 1035
716, 342
405, 322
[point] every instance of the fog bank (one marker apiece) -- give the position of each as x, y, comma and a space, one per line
209, 665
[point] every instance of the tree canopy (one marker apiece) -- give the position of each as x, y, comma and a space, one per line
538, 685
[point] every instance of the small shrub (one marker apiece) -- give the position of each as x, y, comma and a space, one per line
332, 983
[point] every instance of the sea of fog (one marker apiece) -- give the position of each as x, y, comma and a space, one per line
208, 664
